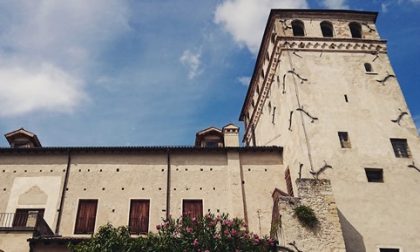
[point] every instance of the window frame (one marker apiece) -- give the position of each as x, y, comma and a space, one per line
373, 179
77, 222
130, 224
184, 201
345, 144
396, 144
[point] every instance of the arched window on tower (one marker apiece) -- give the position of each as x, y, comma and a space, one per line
298, 28
327, 29
355, 29
368, 68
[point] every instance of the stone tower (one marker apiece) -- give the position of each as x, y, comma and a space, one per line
324, 89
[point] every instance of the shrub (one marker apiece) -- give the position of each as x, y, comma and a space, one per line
208, 233
306, 216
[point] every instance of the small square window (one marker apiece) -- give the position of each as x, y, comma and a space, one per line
344, 139
374, 175
400, 147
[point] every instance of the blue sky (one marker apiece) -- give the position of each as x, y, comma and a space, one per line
149, 72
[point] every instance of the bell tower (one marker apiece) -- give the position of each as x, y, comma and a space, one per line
323, 88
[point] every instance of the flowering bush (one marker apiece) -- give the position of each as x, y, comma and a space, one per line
209, 233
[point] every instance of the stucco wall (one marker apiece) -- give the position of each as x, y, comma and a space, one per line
14, 241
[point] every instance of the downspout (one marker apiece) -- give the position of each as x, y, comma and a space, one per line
168, 185
63, 193
243, 192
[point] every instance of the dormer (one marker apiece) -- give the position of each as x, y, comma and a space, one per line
22, 138
210, 137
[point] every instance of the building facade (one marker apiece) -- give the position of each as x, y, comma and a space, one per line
326, 125
324, 88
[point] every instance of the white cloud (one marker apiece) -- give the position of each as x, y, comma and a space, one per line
244, 80
245, 20
46, 87
335, 4
192, 62
47, 49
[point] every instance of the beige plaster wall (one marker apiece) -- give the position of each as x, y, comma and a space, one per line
14, 241
32, 181
114, 180
213, 177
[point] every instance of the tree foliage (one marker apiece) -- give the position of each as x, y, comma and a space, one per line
205, 234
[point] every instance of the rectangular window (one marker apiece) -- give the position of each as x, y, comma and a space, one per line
400, 147
21, 216
389, 250
192, 208
288, 179
86, 216
374, 174
139, 217
344, 139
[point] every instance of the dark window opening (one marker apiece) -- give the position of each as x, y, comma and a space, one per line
192, 208
374, 175
400, 147
288, 179
20, 218
368, 68
212, 144
298, 28
327, 29
86, 216
356, 30
389, 250
344, 139
346, 98
139, 217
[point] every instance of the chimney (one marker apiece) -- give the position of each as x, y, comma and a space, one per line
22, 138
231, 135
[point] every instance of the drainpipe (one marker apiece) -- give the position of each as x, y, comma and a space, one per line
63, 193
168, 185
243, 191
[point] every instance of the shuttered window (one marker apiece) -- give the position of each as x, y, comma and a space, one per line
139, 217
21, 216
192, 208
86, 215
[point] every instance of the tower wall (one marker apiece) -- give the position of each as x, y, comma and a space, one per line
323, 81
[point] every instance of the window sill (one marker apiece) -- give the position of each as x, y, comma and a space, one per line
371, 73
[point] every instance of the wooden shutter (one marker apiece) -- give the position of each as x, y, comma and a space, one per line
288, 179
86, 215
139, 217
21, 216
192, 208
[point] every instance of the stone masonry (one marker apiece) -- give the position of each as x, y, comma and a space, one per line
326, 236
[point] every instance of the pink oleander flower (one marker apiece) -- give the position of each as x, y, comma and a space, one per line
195, 243
233, 232
158, 227
189, 230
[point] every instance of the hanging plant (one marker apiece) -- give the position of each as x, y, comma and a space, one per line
306, 216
